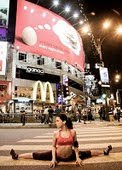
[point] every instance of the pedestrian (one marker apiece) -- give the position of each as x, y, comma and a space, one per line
57, 110
50, 111
84, 112
78, 114
100, 114
118, 114
46, 115
90, 116
22, 114
64, 146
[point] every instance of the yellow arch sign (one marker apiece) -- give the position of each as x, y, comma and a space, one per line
43, 91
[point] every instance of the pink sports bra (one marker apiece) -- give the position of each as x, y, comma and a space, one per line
65, 141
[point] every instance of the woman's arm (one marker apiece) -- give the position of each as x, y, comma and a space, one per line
53, 162
78, 160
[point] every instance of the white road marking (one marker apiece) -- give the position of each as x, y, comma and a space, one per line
48, 147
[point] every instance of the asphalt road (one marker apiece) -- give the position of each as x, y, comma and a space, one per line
93, 136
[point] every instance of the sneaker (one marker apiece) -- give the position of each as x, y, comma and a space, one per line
13, 154
106, 151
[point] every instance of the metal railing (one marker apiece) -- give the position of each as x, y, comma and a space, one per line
16, 118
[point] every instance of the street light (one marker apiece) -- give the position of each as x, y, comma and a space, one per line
107, 24
85, 29
117, 78
119, 30
67, 10
75, 15
100, 40
80, 23
55, 3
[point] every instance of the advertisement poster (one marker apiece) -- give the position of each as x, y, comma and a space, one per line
3, 55
51, 35
5, 90
104, 75
4, 13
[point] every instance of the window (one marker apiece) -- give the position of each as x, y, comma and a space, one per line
69, 71
76, 73
40, 61
22, 57
58, 65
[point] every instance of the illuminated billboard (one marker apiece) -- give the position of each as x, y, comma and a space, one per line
4, 12
104, 76
3, 55
4, 15
40, 31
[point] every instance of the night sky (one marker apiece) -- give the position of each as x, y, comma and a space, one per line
112, 45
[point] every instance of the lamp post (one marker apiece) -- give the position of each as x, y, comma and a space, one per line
106, 25
118, 98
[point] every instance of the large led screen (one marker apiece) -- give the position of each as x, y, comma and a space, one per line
40, 31
104, 75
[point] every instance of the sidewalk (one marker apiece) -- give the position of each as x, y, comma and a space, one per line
41, 125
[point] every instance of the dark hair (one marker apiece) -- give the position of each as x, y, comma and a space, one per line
63, 117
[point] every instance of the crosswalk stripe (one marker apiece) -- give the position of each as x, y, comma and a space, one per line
80, 135
92, 132
48, 147
99, 130
80, 140
7, 161
89, 138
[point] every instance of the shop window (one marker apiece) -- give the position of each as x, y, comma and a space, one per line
58, 65
22, 57
40, 61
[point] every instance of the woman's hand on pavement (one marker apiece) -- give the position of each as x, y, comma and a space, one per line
79, 162
53, 164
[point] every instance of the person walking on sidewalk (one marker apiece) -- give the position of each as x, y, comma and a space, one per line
118, 114
22, 114
46, 115
64, 146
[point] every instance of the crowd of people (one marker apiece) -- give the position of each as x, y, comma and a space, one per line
78, 113
46, 114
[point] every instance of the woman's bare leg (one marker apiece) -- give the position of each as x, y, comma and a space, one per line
26, 156
96, 152
100, 152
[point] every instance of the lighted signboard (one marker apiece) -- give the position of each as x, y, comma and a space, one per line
40, 31
3, 55
104, 75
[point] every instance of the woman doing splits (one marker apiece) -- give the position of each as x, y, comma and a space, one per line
64, 146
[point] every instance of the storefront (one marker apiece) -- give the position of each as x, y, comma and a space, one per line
25, 103
34, 97
5, 95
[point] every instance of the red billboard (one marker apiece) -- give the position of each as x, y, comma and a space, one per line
40, 31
